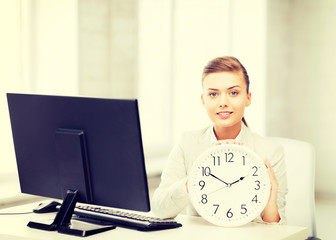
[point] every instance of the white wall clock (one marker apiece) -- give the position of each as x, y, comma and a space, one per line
229, 185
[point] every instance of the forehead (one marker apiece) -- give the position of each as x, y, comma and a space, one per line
224, 80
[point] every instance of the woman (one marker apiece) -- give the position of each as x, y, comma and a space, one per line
225, 96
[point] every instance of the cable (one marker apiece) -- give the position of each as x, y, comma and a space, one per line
3, 214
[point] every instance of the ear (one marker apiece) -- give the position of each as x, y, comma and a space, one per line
248, 102
202, 98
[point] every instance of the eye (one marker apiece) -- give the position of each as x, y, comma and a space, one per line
233, 93
213, 94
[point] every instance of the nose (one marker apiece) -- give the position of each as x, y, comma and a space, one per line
223, 101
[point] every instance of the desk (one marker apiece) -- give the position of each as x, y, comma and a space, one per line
195, 228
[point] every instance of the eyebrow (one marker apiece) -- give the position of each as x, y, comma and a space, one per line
234, 86
215, 89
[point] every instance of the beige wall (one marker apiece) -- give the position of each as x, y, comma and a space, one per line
107, 47
299, 49
301, 79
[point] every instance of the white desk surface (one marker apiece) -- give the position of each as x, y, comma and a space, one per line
15, 227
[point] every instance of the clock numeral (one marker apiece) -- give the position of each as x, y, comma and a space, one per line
202, 184
243, 208
244, 160
228, 157
216, 161
204, 199
229, 214
206, 171
216, 208
255, 171
258, 185
255, 199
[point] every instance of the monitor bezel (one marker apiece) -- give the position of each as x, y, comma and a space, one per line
35, 120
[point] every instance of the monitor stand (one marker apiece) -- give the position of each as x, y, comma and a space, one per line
62, 221
72, 158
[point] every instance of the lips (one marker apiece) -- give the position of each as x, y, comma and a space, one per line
224, 114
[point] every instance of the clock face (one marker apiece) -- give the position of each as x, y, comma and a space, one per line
229, 185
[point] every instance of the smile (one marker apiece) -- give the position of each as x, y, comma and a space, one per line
224, 114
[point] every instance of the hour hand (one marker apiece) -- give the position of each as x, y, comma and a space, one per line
240, 179
227, 184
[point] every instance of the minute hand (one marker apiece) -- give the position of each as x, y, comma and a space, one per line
227, 184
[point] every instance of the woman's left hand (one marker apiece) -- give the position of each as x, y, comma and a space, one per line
271, 213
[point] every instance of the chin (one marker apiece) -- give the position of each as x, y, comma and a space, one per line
228, 124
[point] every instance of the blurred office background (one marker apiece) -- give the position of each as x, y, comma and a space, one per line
154, 50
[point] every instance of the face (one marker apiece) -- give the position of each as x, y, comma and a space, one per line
225, 98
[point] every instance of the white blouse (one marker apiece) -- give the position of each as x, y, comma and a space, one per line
171, 197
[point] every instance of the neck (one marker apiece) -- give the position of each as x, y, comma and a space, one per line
223, 133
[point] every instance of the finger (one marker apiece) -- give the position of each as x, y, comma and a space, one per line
271, 174
227, 141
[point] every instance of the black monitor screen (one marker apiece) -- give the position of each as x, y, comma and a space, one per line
91, 145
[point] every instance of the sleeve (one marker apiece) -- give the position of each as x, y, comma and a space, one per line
171, 197
279, 167
277, 160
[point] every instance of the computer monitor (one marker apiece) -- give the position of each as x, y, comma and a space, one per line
88, 146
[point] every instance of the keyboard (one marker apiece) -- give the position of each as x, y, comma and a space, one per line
107, 216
